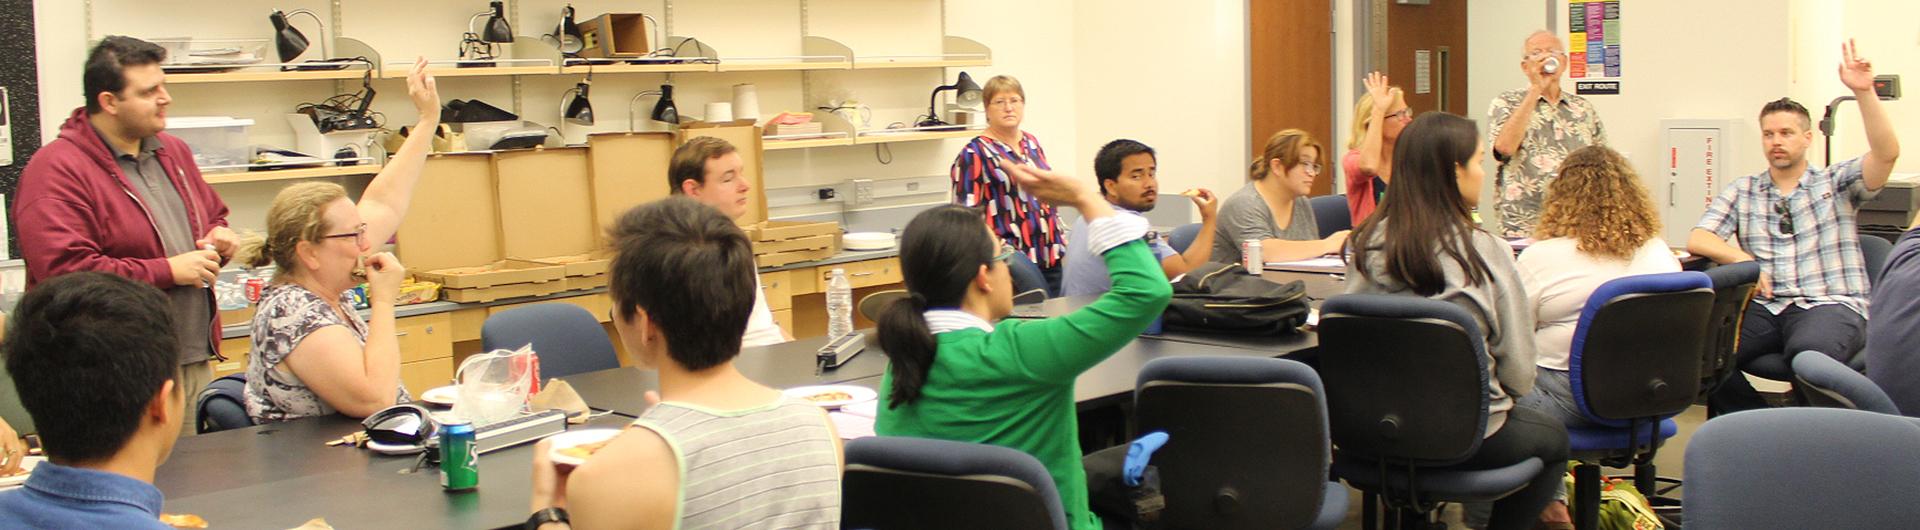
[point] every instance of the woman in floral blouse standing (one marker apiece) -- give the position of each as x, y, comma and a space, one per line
1031, 226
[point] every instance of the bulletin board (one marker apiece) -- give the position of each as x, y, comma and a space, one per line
1593, 46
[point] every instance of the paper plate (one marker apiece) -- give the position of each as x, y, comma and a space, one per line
867, 241
26, 470
444, 396
832, 396
575, 438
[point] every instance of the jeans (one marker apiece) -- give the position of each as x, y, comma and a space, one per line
1528, 433
1831, 329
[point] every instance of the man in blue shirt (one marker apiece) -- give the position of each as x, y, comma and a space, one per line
1129, 180
1798, 222
96, 362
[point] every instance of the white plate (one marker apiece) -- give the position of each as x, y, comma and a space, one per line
858, 393
444, 396
26, 470
867, 241
577, 437
869, 409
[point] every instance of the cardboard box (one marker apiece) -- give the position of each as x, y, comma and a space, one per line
615, 35
454, 220
784, 230
627, 170
503, 272
582, 283
802, 243
546, 202
503, 291
786, 258
581, 264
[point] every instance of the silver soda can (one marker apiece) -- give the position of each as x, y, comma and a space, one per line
1250, 256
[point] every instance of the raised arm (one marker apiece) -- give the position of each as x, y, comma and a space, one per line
1372, 158
384, 204
1883, 147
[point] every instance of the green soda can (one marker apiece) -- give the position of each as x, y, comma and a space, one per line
459, 457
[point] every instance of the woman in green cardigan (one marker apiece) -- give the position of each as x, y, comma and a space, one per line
958, 372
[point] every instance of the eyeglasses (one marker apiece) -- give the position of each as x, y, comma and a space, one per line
1006, 253
1402, 114
1313, 168
1786, 216
359, 235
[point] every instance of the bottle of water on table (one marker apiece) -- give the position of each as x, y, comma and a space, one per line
839, 304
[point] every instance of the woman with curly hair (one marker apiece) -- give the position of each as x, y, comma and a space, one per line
1596, 224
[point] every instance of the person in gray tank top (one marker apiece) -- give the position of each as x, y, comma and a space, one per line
716, 450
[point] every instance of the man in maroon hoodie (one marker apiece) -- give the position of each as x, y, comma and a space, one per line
113, 194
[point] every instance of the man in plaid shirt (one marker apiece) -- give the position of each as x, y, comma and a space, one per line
1798, 222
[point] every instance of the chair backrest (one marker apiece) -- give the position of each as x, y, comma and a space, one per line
1803, 468
1874, 250
1827, 382
915, 483
1406, 378
1733, 287
568, 338
1330, 213
1635, 350
875, 304
1182, 236
222, 405
1247, 440
1026, 275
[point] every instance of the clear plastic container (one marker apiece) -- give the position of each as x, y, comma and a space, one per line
839, 304
219, 143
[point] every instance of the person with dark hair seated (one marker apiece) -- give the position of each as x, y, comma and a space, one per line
1129, 180
1424, 243
716, 450
956, 371
96, 361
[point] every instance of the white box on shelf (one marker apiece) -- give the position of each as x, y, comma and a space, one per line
308, 139
219, 143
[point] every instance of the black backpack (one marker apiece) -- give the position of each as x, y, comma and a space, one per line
1221, 297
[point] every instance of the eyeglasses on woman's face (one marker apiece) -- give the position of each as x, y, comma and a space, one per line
1006, 253
359, 235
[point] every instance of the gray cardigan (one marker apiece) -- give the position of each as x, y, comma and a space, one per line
1500, 307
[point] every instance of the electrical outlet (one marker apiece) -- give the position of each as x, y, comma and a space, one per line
825, 194
862, 192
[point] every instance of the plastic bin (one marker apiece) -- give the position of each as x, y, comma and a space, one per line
219, 143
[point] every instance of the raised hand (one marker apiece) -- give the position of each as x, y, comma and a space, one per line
1855, 72
424, 92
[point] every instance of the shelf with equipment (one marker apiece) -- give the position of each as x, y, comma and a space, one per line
291, 174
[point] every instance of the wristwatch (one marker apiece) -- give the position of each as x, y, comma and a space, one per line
549, 515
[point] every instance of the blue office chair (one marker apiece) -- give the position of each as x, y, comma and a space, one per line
899, 482
568, 339
1026, 275
222, 405
1827, 383
1803, 468
1635, 364
1406, 380
1182, 237
1330, 213
1247, 443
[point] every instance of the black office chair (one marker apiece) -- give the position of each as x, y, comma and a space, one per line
1331, 214
222, 405
1634, 365
1406, 380
1874, 251
568, 339
873, 305
1733, 287
1247, 443
919, 483
1803, 468
1827, 383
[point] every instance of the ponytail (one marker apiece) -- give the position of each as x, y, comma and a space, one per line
941, 252
909, 345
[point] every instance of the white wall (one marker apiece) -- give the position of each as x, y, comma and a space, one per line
1886, 34
1174, 79
1495, 31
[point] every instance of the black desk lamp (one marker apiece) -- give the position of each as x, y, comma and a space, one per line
1887, 87
498, 31
289, 41
967, 93
579, 110
566, 36
664, 110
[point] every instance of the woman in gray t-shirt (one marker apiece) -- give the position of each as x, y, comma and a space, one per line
1277, 187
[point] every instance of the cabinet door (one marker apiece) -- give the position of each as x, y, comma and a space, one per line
778, 287
421, 376
425, 337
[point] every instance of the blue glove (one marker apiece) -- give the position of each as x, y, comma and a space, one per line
1137, 456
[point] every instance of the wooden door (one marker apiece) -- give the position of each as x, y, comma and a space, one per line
1290, 68
1439, 29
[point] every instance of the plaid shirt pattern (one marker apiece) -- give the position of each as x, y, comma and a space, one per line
1819, 262
1031, 226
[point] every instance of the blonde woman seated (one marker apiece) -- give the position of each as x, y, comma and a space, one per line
1596, 224
312, 353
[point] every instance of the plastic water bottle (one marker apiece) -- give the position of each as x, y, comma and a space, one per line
839, 304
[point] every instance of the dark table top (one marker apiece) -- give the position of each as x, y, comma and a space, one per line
787, 365
281, 475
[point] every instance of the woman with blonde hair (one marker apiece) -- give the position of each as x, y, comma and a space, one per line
1273, 208
1596, 224
1032, 226
1377, 121
312, 353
